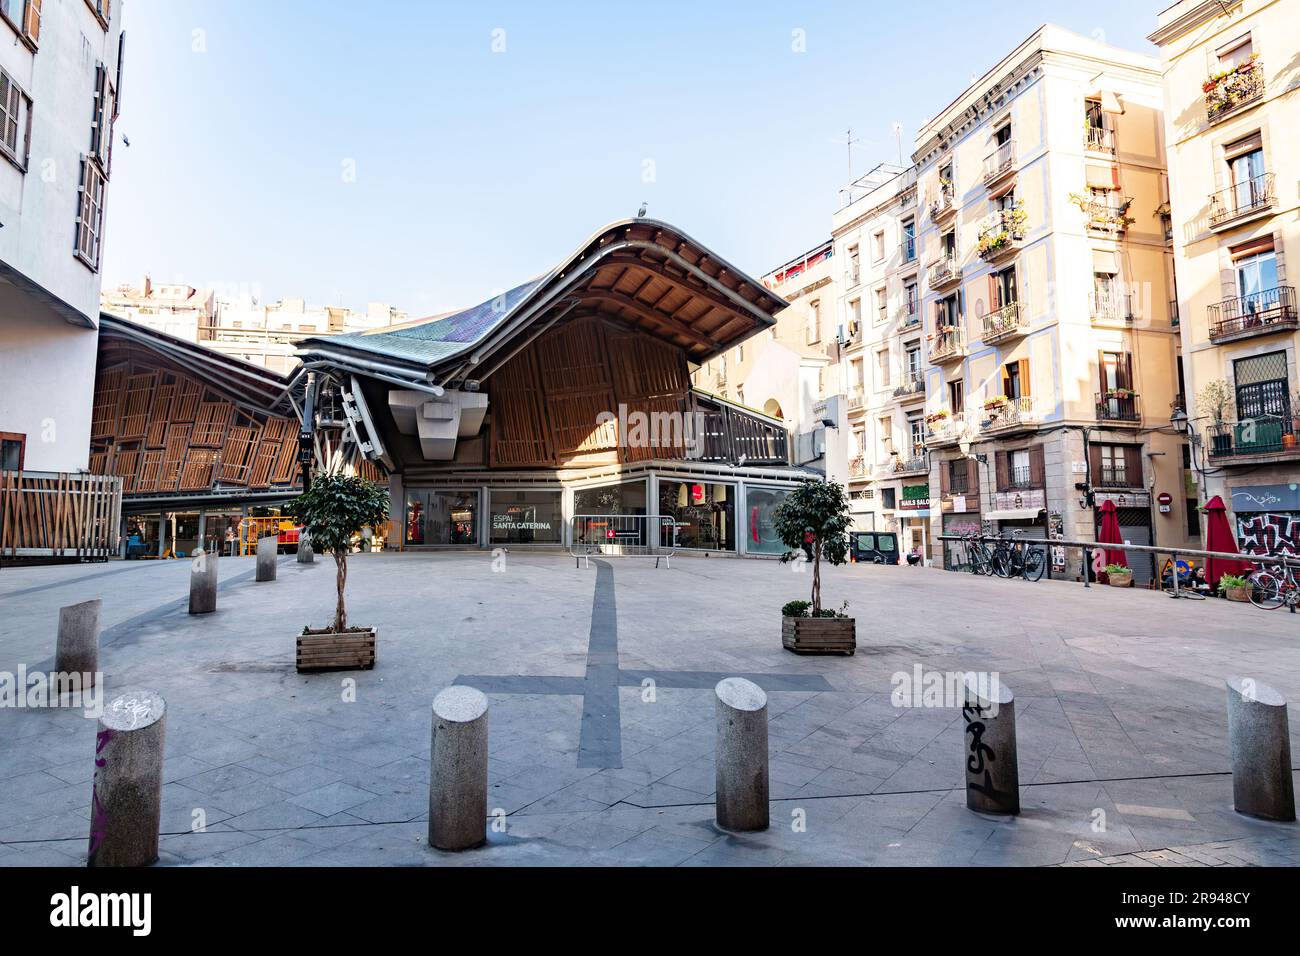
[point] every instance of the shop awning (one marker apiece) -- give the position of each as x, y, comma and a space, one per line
1013, 514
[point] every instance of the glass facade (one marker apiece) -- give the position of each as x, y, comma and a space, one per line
441, 517
628, 498
526, 517
704, 513
762, 537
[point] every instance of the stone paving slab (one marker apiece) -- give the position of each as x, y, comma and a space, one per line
1120, 703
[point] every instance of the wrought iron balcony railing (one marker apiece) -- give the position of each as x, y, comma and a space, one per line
942, 204
858, 467
913, 383
1234, 90
1111, 306
1112, 477
1000, 163
946, 430
1246, 198
1005, 323
1265, 435
1117, 406
1259, 313
1001, 232
948, 343
855, 397
1099, 140
944, 271
1014, 413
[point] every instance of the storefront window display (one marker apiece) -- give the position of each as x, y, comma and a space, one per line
704, 513
441, 517
628, 498
526, 517
761, 538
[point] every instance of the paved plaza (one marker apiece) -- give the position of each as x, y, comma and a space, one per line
602, 714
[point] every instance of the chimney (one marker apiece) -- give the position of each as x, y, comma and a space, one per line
146, 287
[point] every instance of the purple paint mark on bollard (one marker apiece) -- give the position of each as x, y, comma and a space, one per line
98, 815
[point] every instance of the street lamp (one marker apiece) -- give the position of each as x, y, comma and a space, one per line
1182, 425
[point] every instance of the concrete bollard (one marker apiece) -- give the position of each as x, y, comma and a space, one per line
1261, 750
741, 802
77, 648
458, 769
267, 548
203, 583
126, 798
992, 767
305, 554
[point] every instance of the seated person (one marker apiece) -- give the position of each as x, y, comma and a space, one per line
1198, 581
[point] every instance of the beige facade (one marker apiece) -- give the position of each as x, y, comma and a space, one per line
1231, 119
788, 372
876, 245
1051, 348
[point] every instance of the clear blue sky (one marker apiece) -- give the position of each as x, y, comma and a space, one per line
475, 170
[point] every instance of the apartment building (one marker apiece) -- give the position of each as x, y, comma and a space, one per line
1231, 120
60, 73
789, 372
882, 358
240, 327
1046, 273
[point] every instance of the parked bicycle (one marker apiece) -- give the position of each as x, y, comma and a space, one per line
1007, 558
1273, 585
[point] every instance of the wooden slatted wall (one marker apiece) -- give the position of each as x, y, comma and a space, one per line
46, 514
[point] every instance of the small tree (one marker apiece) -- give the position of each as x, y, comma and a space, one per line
815, 514
1214, 401
332, 511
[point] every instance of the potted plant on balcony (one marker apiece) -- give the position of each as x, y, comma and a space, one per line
1119, 393
1119, 575
814, 520
334, 510
1234, 587
1213, 402
1227, 88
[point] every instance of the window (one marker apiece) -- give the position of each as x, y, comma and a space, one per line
740, 352
912, 359
1234, 54
101, 121
948, 245
1094, 115
885, 429
911, 296
25, 18
102, 10
1003, 135
958, 473
956, 396
916, 432
1004, 288
525, 517
1264, 394
946, 312
1116, 466
882, 305
855, 316
1020, 468
854, 273
878, 245
814, 321
1193, 518
889, 498
882, 368
1257, 278
909, 241
90, 221
12, 446
1006, 202
15, 121
1015, 380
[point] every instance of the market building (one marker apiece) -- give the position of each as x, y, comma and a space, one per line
566, 396
1231, 120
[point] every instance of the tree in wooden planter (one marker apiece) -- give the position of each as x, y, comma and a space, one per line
814, 521
334, 510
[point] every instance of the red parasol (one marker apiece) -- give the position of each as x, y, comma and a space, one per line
1219, 537
1109, 534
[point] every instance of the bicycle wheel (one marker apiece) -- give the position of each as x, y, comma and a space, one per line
1265, 590
1034, 564
1001, 563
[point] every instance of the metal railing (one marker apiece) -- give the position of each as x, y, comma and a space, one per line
946, 430
1099, 140
1012, 414
1246, 197
622, 536
947, 343
1257, 312
1264, 435
942, 203
855, 397
909, 316
1107, 215
1115, 306
943, 270
858, 467
1117, 408
1000, 232
913, 382
1000, 162
1004, 322
1234, 91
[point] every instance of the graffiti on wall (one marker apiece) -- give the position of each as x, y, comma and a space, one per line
1265, 531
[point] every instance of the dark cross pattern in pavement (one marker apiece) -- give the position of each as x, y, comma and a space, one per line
600, 743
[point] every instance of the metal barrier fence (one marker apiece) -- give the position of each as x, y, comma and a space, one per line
623, 536
1088, 547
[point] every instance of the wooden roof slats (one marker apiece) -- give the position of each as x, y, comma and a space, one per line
108, 402
150, 476
286, 464
136, 404
520, 427
263, 465
237, 454
197, 472
210, 424
186, 406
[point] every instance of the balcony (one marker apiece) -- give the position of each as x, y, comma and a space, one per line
1000, 234
1260, 313
918, 464
1110, 307
943, 206
945, 431
731, 435
1242, 202
1118, 406
912, 387
1109, 217
1008, 322
1256, 441
947, 344
909, 317
1232, 91
1009, 416
1116, 477
855, 398
858, 468
907, 251
908, 196
1000, 164
853, 335
1097, 140
945, 272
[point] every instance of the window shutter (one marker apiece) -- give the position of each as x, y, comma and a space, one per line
1037, 467
1101, 372
1003, 470
32, 20
1024, 378
97, 114
121, 59
973, 477
1133, 465
943, 477
1006, 382
1125, 370
1094, 463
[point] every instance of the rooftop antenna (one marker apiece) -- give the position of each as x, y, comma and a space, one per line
849, 140
897, 127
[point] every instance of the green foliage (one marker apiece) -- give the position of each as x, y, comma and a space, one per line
1230, 582
815, 514
332, 511
1117, 569
795, 609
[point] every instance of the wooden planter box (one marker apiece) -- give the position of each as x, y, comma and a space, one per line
1237, 594
335, 651
819, 635
1120, 580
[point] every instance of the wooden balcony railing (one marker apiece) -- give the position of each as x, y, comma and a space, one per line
729, 433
